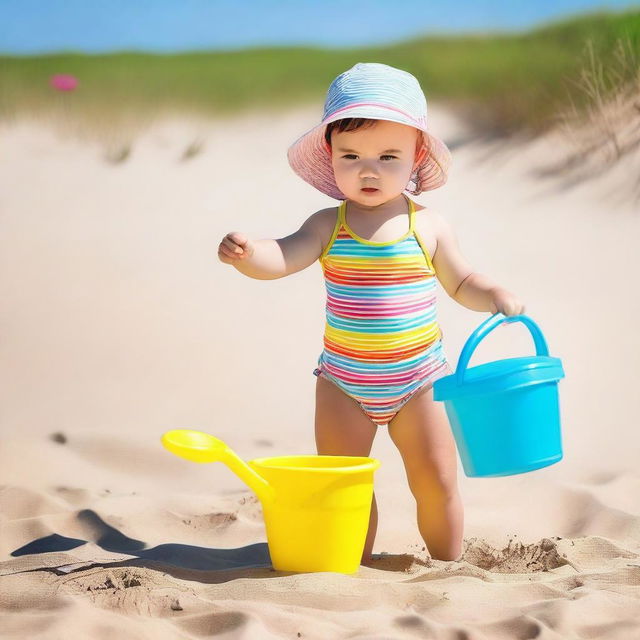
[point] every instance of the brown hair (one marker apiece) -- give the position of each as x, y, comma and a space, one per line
347, 124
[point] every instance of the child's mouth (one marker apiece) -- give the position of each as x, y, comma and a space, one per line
369, 189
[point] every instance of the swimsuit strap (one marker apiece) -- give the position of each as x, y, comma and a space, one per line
412, 214
341, 211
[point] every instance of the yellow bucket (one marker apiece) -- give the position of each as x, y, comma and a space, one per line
316, 508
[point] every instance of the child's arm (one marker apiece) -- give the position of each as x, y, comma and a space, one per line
467, 287
270, 259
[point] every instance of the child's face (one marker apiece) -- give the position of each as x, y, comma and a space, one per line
381, 156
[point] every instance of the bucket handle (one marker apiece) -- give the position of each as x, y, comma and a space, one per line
487, 327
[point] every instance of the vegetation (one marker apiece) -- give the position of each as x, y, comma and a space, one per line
500, 83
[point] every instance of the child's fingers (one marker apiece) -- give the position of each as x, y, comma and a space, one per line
226, 253
237, 238
231, 246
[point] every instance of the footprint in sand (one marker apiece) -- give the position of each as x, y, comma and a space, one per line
515, 557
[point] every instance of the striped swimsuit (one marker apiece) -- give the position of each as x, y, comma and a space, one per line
382, 342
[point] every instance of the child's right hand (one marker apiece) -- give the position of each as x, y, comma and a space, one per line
235, 246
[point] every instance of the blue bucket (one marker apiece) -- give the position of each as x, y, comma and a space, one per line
505, 415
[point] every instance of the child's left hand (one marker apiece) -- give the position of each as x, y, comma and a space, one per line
503, 301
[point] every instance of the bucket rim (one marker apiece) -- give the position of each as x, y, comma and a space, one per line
499, 377
367, 464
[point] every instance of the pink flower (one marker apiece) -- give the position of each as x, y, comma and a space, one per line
63, 82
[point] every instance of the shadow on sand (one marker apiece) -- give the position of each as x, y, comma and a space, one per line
204, 564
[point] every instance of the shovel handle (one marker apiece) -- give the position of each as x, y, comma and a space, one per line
201, 447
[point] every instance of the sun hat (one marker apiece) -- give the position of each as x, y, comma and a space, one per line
380, 92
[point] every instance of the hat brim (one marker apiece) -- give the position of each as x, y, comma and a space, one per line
309, 158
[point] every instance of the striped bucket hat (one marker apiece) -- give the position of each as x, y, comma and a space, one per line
380, 92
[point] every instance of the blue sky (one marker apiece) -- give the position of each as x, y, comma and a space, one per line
93, 26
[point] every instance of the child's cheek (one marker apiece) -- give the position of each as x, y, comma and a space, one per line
397, 169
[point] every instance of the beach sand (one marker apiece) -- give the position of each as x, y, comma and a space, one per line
119, 323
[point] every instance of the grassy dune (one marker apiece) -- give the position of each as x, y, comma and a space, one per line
502, 83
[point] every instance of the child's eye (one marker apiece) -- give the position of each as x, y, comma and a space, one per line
353, 155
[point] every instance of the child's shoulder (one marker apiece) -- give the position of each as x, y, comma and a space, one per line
428, 219
427, 224
323, 221
322, 224
326, 215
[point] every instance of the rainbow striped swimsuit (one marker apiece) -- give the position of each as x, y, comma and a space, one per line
382, 342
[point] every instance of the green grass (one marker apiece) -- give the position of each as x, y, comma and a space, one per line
501, 83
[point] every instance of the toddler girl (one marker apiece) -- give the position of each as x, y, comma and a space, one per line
380, 253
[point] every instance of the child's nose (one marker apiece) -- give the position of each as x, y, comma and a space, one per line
368, 170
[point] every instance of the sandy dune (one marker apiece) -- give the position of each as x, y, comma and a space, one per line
119, 323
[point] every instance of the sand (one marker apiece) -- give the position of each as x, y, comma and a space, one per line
119, 323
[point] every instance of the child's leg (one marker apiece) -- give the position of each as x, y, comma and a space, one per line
423, 436
343, 429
